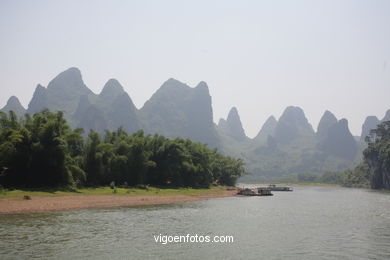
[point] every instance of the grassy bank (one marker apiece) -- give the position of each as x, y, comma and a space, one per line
147, 191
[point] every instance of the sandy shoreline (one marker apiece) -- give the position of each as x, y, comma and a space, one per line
45, 204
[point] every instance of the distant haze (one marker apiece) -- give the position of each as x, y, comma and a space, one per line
259, 56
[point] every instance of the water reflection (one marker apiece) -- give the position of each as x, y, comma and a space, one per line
310, 223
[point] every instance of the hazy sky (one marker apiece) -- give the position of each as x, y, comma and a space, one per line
259, 56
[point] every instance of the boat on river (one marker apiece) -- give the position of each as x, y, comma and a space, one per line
273, 187
255, 192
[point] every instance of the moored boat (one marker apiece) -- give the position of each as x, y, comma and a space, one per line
264, 192
273, 187
255, 192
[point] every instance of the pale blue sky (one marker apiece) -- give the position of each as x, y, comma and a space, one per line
259, 56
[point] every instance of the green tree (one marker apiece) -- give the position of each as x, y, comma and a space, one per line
377, 156
93, 159
42, 150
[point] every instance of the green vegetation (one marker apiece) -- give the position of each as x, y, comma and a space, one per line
377, 156
290, 146
130, 191
355, 178
373, 172
42, 151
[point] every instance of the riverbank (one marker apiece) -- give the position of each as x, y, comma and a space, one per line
291, 184
12, 202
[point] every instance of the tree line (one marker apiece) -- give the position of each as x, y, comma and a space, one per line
373, 172
357, 177
43, 151
377, 156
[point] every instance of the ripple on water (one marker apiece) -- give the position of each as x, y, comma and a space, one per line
309, 223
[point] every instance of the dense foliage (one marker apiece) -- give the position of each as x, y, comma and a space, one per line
373, 172
43, 151
356, 177
377, 156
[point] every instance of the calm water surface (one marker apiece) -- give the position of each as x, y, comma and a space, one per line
308, 223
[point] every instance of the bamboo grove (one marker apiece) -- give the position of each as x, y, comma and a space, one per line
43, 151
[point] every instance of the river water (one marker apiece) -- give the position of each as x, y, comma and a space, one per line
308, 223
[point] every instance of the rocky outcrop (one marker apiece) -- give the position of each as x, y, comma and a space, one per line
286, 146
93, 119
177, 110
69, 81
112, 108
62, 94
268, 129
377, 157
339, 141
123, 113
232, 126
13, 104
370, 123
379, 173
293, 124
386, 117
39, 100
326, 122
111, 90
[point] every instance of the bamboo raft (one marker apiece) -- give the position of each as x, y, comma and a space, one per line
255, 192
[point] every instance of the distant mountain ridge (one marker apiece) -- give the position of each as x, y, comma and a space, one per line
13, 104
62, 93
232, 126
372, 122
268, 129
289, 145
175, 110
291, 125
283, 146
326, 121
